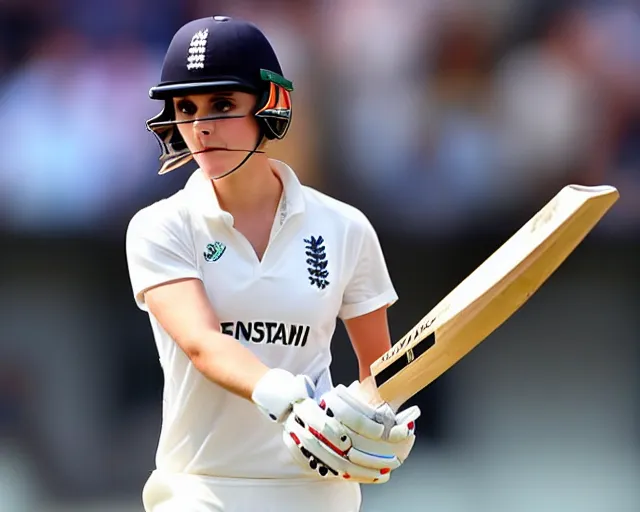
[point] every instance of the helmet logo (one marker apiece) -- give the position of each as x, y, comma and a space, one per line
197, 50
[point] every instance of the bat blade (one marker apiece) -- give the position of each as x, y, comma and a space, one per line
488, 296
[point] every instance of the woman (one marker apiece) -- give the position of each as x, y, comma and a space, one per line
243, 274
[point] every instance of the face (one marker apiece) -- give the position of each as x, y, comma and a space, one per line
211, 140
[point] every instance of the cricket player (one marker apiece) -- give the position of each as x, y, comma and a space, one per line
244, 273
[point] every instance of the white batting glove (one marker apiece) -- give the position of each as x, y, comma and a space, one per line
316, 441
321, 444
381, 439
277, 391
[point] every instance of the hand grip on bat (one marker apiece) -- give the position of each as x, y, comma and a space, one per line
377, 422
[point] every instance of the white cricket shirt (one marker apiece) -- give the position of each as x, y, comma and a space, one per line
323, 262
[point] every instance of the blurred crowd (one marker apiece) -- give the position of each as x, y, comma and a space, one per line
446, 113
436, 117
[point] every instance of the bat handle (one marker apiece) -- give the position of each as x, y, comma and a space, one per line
369, 392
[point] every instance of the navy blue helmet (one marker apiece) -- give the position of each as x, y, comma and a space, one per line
215, 53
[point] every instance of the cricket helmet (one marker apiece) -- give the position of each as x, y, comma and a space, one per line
219, 53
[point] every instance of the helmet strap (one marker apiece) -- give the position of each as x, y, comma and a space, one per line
244, 160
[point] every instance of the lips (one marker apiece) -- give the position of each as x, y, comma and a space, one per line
209, 150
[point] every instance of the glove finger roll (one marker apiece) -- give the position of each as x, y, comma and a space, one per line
349, 412
328, 430
405, 427
312, 452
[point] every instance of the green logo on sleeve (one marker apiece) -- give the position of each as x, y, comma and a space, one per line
214, 251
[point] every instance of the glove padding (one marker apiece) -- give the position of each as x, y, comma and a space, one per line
316, 441
322, 443
380, 439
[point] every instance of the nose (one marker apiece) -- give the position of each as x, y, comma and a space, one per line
204, 124
203, 129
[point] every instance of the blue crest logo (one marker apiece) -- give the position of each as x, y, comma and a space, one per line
317, 261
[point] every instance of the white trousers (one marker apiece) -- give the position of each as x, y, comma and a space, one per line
171, 492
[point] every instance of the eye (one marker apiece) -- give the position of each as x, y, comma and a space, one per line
187, 107
222, 106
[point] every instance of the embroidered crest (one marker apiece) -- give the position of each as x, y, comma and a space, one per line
317, 261
197, 50
214, 251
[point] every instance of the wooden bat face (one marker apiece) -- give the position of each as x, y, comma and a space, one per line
488, 296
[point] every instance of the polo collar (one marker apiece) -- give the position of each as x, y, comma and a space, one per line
202, 198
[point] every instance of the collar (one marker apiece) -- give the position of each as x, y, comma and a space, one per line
202, 198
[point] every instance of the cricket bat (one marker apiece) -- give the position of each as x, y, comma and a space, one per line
488, 296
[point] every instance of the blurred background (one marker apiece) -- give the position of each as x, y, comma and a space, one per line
448, 122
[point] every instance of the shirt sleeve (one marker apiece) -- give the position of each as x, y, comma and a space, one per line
159, 250
370, 286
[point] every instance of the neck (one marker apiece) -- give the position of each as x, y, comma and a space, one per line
252, 187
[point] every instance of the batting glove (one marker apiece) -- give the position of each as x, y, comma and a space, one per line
316, 441
277, 391
380, 438
322, 444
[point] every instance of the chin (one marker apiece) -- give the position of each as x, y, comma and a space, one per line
215, 164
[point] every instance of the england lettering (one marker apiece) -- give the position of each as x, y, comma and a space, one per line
276, 333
